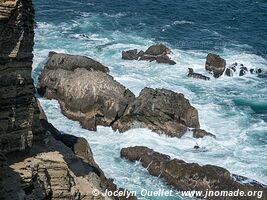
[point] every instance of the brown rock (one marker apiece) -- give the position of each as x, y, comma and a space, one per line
158, 49
130, 55
215, 65
160, 110
72, 62
200, 133
156, 53
190, 176
100, 101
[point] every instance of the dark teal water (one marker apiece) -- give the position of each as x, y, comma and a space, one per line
233, 108
191, 24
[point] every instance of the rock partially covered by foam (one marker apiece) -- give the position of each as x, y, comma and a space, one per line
193, 74
85, 93
241, 70
191, 176
161, 110
157, 52
94, 98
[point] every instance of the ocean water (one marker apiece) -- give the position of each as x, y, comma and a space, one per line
232, 108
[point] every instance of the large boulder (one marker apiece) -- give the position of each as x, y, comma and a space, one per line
191, 176
88, 95
72, 62
161, 110
215, 65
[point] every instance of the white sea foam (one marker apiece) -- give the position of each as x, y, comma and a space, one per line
234, 126
182, 22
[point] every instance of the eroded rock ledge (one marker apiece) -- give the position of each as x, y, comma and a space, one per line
191, 176
88, 94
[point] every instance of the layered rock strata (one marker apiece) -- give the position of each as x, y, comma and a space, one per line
36, 160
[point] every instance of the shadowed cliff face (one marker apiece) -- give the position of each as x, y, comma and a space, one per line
18, 109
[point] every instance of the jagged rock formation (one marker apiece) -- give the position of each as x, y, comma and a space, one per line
215, 65
34, 164
157, 52
161, 110
104, 101
192, 74
191, 176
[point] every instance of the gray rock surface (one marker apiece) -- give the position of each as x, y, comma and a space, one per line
90, 96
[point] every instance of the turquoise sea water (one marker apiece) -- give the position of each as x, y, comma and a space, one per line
233, 108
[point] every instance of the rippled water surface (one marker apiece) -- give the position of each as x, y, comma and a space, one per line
233, 108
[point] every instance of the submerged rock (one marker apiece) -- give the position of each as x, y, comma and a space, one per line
196, 75
190, 176
241, 70
229, 72
156, 53
215, 65
161, 110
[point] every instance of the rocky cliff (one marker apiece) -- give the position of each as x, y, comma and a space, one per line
36, 160
18, 108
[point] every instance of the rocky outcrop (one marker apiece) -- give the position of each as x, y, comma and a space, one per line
200, 133
215, 65
161, 110
191, 176
104, 101
196, 75
72, 62
241, 70
158, 53
86, 94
